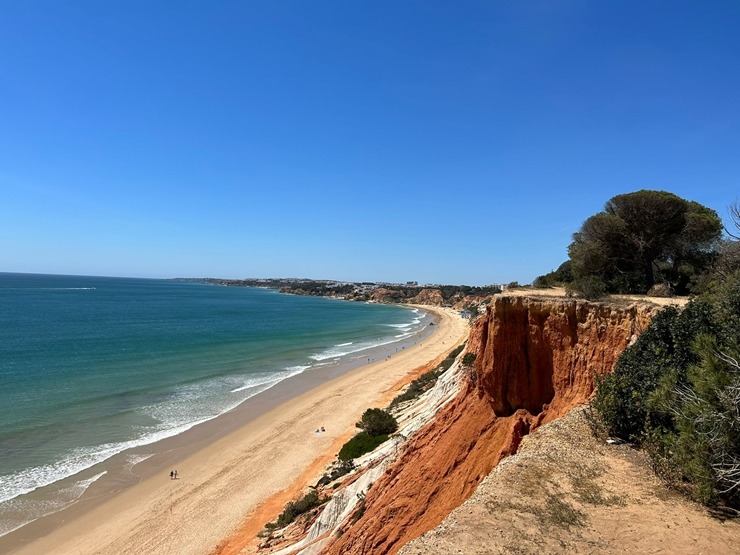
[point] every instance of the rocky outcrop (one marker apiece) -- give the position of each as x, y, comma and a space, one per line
461, 302
543, 355
385, 295
535, 360
431, 297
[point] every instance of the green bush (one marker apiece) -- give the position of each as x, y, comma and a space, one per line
418, 386
561, 276
676, 392
469, 359
427, 380
705, 406
662, 352
449, 359
359, 445
345, 468
296, 508
377, 422
592, 288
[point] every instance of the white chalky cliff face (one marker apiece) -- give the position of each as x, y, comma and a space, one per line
373, 465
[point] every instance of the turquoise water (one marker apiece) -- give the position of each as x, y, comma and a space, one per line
91, 366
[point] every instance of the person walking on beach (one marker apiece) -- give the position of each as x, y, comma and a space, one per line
175, 474
172, 474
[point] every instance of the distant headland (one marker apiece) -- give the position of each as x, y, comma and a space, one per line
411, 292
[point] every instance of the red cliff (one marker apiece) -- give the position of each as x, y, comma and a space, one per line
535, 360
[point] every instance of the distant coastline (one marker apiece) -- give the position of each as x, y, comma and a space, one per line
380, 292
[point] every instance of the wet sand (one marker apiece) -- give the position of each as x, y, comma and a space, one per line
239, 465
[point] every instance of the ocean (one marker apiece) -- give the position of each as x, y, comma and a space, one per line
93, 367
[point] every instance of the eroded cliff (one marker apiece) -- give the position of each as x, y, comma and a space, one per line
535, 360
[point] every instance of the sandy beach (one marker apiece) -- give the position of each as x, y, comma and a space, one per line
230, 488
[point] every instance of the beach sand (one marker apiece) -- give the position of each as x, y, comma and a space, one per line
230, 488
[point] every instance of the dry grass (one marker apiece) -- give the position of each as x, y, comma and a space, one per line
567, 492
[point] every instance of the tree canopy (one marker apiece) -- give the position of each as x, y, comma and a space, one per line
646, 237
561, 276
377, 422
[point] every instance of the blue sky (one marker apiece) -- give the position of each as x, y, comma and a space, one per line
453, 142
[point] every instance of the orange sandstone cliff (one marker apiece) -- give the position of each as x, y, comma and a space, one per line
536, 359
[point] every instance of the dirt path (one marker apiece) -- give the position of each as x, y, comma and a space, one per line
561, 292
565, 492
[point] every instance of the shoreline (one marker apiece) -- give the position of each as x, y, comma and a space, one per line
234, 463
71, 495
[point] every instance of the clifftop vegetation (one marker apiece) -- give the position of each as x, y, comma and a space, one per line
676, 391
642, 242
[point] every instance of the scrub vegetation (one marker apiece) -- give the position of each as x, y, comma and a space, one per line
427, 380
676, 391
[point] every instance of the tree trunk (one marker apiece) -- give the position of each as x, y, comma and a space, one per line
649, 277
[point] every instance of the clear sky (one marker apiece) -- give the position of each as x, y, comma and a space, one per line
454, 142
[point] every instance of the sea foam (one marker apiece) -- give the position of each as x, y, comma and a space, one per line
188, 407
16, 513
104, 365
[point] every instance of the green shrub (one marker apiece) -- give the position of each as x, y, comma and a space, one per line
359, 445
426, 381
662, 352
703, 443
377, 422
676, 391
447, 362
296, 508
561, 276
418, 386
469, 359
360, 511
345, 468
592, 288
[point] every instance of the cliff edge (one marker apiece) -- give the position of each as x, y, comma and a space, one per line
566, 492
536, 359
